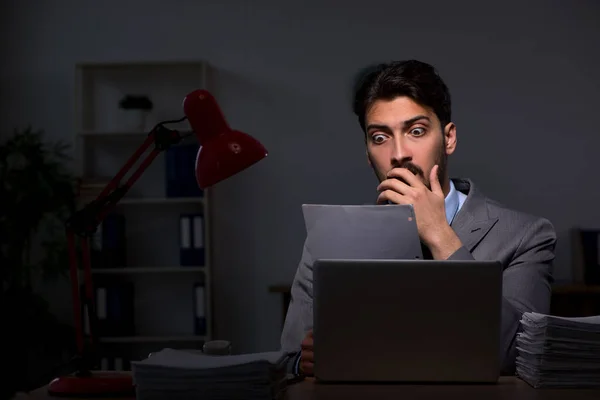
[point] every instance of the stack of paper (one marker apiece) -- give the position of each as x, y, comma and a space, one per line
559, 352
179, 374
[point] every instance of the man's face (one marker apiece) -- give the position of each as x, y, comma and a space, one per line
403, 134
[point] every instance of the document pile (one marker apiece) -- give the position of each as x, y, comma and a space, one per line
559, 352
180, 374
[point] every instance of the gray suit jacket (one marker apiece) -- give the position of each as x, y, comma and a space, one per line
489, 231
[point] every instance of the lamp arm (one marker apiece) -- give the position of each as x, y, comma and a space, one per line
84, 223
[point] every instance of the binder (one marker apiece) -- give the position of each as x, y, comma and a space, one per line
114, 249
199, 309
96, 260
108, 247
191, 240
115, 363
180, 162
115, 309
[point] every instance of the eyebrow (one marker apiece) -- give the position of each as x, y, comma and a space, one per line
406, 123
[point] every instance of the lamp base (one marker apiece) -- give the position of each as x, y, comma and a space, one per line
94, 384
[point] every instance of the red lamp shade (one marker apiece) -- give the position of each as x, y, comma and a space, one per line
223, 151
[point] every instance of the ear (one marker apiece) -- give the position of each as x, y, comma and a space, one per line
450, 137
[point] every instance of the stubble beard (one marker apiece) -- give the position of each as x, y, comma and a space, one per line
441, 160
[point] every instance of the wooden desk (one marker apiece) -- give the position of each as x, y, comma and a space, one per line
509, 388
42, 394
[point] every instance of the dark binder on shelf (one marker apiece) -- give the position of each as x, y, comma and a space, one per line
115, 363
180, 161
191, 240
199, 308
115, 309
108, 247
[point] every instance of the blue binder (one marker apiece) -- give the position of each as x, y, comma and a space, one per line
180, 162
115, 309
191, 240
199, 309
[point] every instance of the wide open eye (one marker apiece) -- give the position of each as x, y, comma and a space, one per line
378, 138
417, 131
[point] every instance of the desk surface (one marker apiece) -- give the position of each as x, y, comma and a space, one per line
506, 388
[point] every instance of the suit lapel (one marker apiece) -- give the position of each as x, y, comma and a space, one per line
471, 234
472, 222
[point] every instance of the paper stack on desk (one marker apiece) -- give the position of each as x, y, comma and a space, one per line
558, 351
179, 374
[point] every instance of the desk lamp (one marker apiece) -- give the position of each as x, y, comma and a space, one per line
223, 152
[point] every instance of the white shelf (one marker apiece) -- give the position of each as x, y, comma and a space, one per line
139, 134
105, 137
112, 133
151, 339
147, 270
161, 200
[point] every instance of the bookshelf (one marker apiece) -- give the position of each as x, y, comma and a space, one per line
156, 288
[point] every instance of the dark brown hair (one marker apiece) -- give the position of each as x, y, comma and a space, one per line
414, 79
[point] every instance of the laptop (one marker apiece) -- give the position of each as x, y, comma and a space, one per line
407, 320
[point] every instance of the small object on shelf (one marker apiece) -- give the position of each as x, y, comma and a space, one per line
135, 110
217, 348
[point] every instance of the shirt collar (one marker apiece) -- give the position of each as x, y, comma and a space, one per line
451, 202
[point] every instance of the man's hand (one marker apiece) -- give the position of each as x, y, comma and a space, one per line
429, 206
307, 359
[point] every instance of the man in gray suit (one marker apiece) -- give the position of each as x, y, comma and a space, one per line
404, 110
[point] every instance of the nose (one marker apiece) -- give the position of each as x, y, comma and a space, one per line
401, 152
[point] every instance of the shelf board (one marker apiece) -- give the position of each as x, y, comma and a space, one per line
113, 133
147, 270
160, 200
151, 339
124, 133
91, 64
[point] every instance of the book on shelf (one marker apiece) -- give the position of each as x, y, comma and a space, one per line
191, 239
